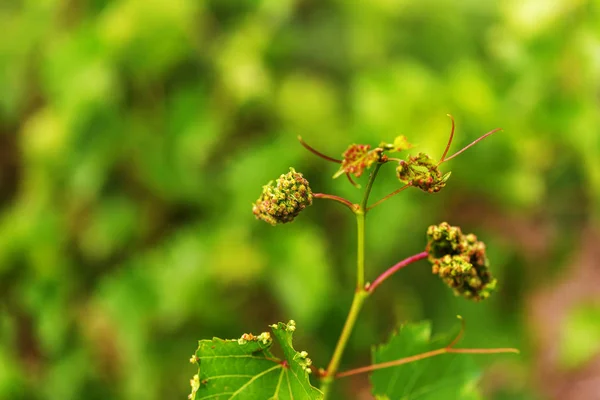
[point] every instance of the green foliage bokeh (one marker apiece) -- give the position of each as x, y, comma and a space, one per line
136, 134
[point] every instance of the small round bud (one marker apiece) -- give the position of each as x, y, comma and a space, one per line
281, 202
460, 261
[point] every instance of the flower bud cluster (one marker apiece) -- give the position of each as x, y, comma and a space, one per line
304, 361
460, 260
422, 171
281, 202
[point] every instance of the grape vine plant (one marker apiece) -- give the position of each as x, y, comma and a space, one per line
246, 367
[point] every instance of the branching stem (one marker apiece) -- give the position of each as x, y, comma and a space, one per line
422, 356
316, 152
360, 294
393, 269
372, 177
347, 203
395, 192
445, 350
471, 145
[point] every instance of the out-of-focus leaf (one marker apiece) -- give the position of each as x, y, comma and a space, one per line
579, 337
448, 376
401, 143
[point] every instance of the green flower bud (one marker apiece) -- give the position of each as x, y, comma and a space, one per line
281, 202
460, 261
422, 171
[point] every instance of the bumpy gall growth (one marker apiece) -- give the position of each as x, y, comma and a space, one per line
195, 384
460, 261
281, 202
422, 171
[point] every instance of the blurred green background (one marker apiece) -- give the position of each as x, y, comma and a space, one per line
135, 135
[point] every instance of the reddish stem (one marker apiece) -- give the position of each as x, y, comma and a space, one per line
392, 270
449, 140
316, 152
356, 185
395, 192
484, 351
472, 144
427, 354
460, 333
339, 199
422, 356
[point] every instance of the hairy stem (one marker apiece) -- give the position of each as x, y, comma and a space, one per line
393, 269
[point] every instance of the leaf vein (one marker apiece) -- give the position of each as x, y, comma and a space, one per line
212, 396
229, 376
255, 377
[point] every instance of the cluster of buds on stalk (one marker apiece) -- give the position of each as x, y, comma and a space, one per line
460, 261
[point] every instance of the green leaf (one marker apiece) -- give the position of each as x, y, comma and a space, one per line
401, 143
446, 376
245, 368
357, 158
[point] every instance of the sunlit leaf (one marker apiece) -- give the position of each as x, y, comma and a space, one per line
401, 143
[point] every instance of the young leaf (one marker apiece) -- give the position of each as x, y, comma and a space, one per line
447, 376
245, 368
401, 143
357, 158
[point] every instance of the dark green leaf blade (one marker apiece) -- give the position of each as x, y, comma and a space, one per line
245, 369
446, 376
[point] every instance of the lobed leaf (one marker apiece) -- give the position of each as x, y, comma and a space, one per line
448, 376
245, 368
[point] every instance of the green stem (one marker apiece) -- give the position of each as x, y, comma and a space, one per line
372, 177
360, 294
360, 249
357, 303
